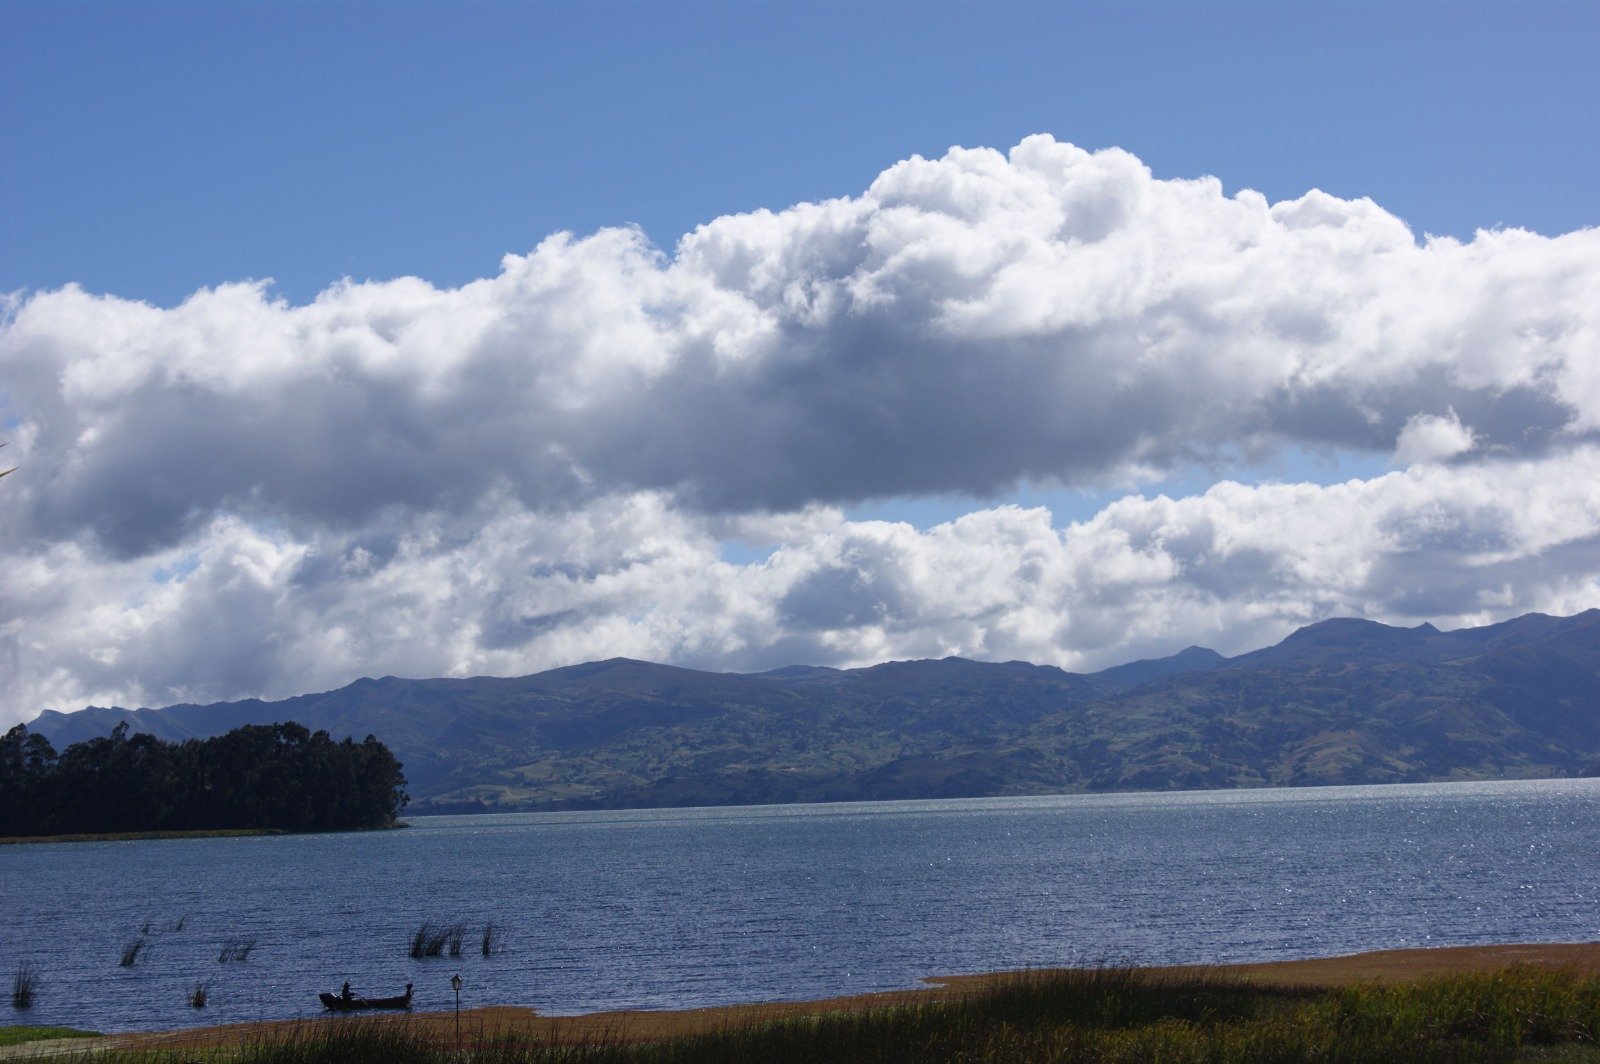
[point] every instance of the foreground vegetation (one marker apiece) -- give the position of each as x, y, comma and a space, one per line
1102, 1016
264, 776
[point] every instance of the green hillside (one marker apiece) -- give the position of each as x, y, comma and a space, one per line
1344, 701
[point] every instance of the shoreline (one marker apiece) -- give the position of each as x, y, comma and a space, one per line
196, 833
137, 836
1384, 967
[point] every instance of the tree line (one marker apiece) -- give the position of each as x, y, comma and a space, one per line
273, 776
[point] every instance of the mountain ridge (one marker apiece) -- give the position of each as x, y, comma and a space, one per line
1340, 701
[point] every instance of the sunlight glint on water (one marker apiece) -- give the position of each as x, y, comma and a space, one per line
671, 908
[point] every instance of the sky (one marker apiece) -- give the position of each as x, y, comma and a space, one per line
424, 339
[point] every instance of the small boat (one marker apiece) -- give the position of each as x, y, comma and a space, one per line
340, 1003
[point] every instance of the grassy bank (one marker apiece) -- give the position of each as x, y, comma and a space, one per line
20, 1034
1105, 1015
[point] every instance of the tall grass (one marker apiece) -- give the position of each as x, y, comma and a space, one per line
199, 995
1105, 1017
23, 986
436, 940
491, 940
1506, 1008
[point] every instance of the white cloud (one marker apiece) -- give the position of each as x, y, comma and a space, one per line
538, 467
502, 590
1430, 438
966, 322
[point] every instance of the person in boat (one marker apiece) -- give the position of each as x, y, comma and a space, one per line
344, 993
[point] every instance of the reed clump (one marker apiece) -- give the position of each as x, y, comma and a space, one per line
132, 950
491, 940
236, 950
199, 995
24, 985
437, 940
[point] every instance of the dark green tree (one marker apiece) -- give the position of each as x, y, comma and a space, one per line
274, 776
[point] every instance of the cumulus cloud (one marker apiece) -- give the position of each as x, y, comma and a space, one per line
966, 322
505, 590
239, 496
1430, 438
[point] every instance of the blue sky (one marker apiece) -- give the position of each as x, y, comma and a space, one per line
853, 395
154, 148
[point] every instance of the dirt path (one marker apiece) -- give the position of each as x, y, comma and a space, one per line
1386, 966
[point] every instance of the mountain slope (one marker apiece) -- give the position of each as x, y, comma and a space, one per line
1342, 701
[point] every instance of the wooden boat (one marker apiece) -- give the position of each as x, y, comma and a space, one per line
338, 1003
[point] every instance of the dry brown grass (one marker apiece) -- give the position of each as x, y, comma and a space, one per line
1386, 967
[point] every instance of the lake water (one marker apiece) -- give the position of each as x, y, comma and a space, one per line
658, 909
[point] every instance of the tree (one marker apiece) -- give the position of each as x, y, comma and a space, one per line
275, 776
26, 763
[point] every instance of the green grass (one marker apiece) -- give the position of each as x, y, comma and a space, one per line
1104, 1016
17, 1034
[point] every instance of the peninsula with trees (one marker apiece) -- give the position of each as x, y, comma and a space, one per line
258, 777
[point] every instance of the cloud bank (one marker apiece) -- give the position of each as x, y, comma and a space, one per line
237, 496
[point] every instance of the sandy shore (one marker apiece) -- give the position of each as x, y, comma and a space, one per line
1385, 966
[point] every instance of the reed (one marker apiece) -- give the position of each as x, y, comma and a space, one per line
436, 940
236, 950
420, 938
491, 940
23, 986
199, 995
132, 949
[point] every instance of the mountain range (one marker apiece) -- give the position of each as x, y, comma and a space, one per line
1338, 702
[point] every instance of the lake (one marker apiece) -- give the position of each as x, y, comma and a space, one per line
672, 908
